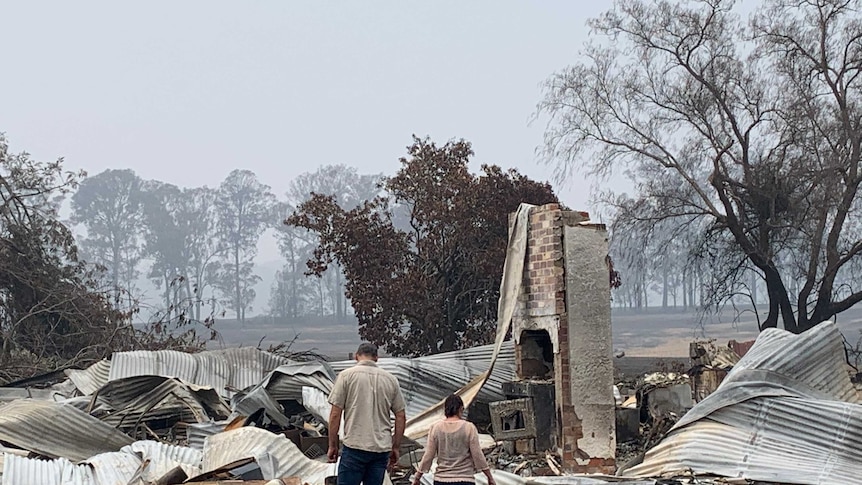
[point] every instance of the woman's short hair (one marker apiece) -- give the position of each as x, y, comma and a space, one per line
453, 406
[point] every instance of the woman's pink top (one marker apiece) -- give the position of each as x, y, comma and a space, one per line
456, 446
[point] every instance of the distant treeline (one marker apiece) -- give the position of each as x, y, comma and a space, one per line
198, 244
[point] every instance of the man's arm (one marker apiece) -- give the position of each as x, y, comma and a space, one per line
334, 426
400, 421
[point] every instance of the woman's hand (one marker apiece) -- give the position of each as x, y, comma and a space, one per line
489, 476
417, 478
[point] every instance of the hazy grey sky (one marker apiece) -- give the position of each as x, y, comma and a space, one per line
185, 92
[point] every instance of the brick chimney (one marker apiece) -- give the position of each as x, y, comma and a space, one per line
562, 331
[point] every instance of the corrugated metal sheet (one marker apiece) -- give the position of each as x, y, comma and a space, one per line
57, 430
255, 400
8, 394
286, 382
317, 403
118, 468
83, 403
18, 470
147, 460
120, 393
427, 380
478, 359
115, 468
199, 432
787, 413
424, 380
162, 458
276, 455
147, 398
92, 378
223, 370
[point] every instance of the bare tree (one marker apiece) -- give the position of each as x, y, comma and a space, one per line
751, 129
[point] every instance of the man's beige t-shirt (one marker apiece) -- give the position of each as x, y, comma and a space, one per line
367, 394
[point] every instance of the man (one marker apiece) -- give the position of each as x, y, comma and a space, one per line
365, 394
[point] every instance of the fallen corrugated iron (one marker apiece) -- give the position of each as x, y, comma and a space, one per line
92, 378
19, 470
127, 402
286, 381
226, 370
136, 400
317, 403
786, 413
148, 460
57, 430
57, 392
197, 433
143, 460
276, 455
246, 404
157, 459
425, 380
123, 393
8, 394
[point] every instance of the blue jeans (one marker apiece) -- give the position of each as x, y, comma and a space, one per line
357, 466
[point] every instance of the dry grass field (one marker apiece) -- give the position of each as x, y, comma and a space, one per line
650, 333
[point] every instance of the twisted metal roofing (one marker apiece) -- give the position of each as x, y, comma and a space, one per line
57, 430
276, 455
787, 413
425, 381
144, 460
226, 370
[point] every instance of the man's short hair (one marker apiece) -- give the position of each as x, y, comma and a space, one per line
366, 348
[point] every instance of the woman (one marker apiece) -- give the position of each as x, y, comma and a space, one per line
455, 443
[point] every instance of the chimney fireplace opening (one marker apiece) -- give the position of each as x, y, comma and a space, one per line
537, 355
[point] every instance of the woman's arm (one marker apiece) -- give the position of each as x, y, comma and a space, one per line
479, 461
428, 456
488, 474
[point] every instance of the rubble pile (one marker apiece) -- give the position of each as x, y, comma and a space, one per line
785, 413
168, 417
